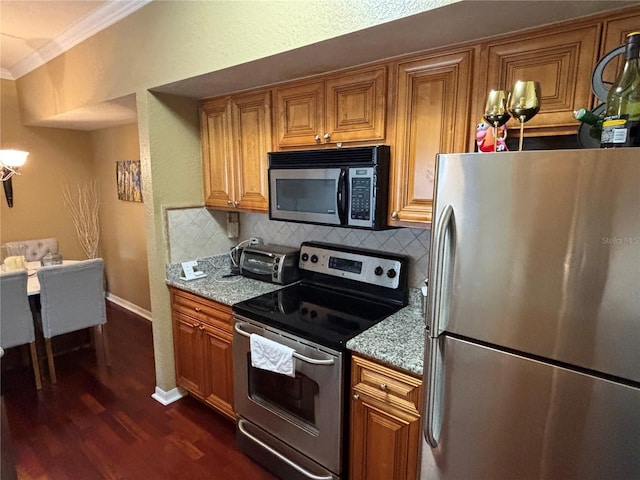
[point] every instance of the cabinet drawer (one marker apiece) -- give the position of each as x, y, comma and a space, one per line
201, 309
386, 384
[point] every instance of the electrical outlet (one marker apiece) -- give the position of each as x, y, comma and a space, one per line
255, 241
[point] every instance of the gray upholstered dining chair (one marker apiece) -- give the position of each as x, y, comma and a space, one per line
72, 298
16, 320
36, 249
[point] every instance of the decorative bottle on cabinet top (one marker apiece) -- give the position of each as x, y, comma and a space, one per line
621, 125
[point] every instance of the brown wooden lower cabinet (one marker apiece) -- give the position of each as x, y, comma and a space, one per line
202, 339
385, 422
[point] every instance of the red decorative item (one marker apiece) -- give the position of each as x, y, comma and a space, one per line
485, 138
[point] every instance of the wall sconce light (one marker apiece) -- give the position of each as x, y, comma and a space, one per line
10, 161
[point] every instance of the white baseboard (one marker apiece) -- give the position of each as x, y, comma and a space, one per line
146, 314
165, 398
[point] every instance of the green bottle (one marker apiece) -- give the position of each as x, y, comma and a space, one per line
621, 124
585, 116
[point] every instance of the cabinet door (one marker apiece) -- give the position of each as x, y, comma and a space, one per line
300, 114
385, 422
561, 60
218, 361
217, 152
252, 134
355, 108
433, 104
384, 446
187, 341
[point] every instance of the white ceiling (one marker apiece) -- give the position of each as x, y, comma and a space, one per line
35, 31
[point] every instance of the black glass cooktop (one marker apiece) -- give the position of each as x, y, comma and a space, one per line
324, 316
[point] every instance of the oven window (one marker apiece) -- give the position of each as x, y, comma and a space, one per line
296, 396
312, 195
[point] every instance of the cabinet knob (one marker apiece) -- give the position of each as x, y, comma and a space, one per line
383, 387
317, 138
201, 327
235, 204
197, 309
229, 202
356, 396
394, 215
326, 136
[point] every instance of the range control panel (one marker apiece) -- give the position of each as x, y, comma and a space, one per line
366, 266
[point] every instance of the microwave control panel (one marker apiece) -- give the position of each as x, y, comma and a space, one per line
362, 196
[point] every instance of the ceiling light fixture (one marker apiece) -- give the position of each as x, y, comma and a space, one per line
11, 161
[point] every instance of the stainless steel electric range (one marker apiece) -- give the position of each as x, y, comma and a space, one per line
297, 427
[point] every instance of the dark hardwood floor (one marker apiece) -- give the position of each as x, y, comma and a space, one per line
101, 423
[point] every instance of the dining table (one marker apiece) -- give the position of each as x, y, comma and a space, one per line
33, 284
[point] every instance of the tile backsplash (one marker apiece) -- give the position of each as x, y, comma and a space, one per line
198, 232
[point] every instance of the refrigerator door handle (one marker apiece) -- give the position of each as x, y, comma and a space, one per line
433, 398
442, 260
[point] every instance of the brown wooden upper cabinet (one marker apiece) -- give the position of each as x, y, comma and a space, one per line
561, 59
236, 137
431, 116
346, 107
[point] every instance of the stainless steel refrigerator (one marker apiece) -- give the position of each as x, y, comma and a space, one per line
532, 357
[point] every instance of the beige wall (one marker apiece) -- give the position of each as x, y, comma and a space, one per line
171, 175
124, 247
166, 41
55, 156
58, 156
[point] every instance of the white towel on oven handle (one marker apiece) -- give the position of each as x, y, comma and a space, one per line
272, 356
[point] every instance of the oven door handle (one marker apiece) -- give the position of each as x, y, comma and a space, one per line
312, 361
304, 472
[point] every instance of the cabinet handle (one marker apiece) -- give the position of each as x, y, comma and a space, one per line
383, 387
356, 396
394, 215
317, 138
326, 136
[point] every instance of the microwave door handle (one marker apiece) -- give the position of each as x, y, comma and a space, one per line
343, 195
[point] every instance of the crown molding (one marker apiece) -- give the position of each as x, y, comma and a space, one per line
98, 20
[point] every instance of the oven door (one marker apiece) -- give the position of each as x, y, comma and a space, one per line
304, 412
314, 195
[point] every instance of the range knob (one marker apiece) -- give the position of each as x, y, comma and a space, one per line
314, 259
391, 273
305, 257
379, 270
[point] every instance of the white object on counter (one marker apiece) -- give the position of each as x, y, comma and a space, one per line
189, 272
272, 356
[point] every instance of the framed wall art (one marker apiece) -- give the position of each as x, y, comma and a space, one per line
128, 180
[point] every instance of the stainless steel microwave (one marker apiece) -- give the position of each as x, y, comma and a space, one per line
343, 186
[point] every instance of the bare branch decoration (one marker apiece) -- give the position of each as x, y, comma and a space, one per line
83, 208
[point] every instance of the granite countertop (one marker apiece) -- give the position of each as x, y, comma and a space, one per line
217, 285
397, 341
